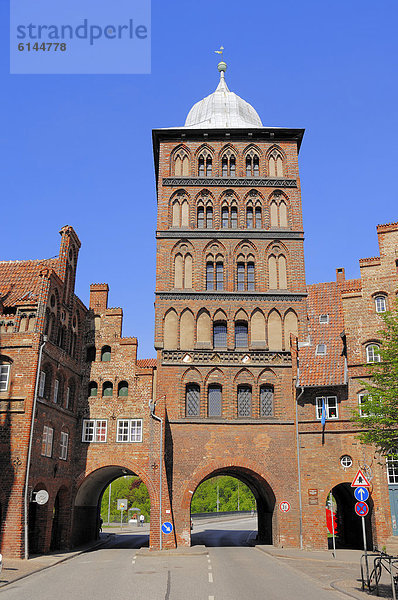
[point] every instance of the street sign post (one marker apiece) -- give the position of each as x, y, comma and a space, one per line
121, 505
361, 494
284, 506
167, 527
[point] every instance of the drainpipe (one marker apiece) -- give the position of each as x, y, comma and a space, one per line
32, 422
152, 409
298, 386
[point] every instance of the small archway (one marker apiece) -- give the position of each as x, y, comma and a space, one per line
348, 525
87, 505
263, 497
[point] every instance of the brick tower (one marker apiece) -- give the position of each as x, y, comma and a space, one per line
230, 291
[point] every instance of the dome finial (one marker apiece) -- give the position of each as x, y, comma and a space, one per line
222, 66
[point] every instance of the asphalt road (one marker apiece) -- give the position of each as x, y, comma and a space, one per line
229, 572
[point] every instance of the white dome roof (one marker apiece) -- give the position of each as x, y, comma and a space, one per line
222, 109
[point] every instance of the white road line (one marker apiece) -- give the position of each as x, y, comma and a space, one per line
211, 597
210, 577
133, 562
209, 567
208, 560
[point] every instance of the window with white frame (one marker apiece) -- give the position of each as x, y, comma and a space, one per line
94, 430
63, 445
372, 353
129, 430
56, 390
362, 398
392, 470
42, 384
380, 304
47, 441
330, 407
324, 319
4, 377
320, 350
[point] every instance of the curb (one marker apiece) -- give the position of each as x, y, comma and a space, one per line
145, 552
58, 562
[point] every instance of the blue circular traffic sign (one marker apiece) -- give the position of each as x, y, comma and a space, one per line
362, 509
361, 494
167, 527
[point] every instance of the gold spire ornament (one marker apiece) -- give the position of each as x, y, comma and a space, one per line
220, 51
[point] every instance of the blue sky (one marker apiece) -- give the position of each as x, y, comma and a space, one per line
76, 149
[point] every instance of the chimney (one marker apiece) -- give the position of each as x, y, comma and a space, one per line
99, 296
340, 275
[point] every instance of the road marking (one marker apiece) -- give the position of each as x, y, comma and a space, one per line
133, 562
211, 597
208, 560
210, 577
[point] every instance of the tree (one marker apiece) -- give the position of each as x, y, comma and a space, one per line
379, 418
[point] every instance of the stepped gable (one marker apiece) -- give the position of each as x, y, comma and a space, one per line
327, 370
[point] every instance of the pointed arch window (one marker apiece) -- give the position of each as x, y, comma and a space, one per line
228, 164
214, 400
277, 272
201, 166
205, 164
245, 275
234, 217
266, 400
275, 164
201, 217
224, 217
209, 217
258, 217
192, 400
183, 271
181, 164
214, 274
241, 331
249, 217
252, 165
244, 400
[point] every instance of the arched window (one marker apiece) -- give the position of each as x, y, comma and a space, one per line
266, 400
201, 217
107, 388
258, 217
214, 274
90, 353
245, 274
93, 388
181, 164
105, 354
184, 214
214, 400
187, 330
277, 272
178, 271
209, 217
228, 164
278, 212
220, 334
252, 164
275, 164
122, 389
372, 353
234, 217
58, 391
205, 164
241, 334
224, 217
244, 400
192, 400
380, 304
176, 214
170, 340
249, 217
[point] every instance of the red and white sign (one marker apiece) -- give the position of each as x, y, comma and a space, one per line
362, 509
360, 480
284, 506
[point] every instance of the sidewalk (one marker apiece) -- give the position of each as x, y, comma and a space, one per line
18, 568
342, 573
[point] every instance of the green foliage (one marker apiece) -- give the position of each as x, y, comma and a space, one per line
380, 410
229, 491
130, 488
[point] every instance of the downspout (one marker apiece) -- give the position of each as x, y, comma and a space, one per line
32, 422
298, 386
152, 409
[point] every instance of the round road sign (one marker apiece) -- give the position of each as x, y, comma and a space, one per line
42, 497
362, 509
284, 506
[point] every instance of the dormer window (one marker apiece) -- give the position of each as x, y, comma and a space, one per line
324, 319
320, 350
380, 304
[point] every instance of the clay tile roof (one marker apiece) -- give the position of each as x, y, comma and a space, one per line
146, 362
351, 285
20, 280
328, 370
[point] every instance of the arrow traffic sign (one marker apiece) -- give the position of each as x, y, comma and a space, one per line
361, 493
360, 480
167, 527
362, 509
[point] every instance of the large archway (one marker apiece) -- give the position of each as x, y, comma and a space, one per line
262, 493
348, 525
87, 506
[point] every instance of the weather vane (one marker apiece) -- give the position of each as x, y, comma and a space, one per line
220, 51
